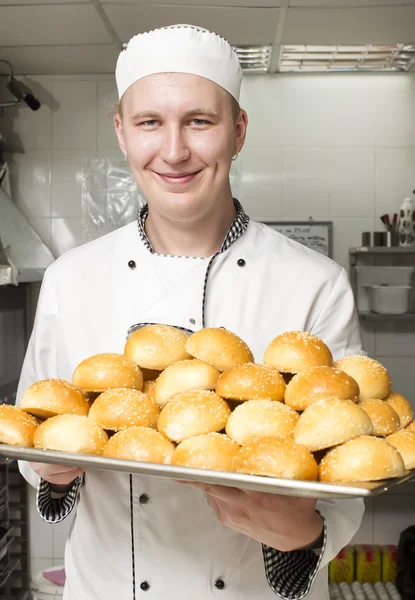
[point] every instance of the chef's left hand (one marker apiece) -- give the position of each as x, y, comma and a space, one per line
284, 523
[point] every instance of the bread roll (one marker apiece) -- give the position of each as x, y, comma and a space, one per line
16, 426
295, 351
210, 451
331, 422
156, 347
319, 383
107, 371
251, 382
260, 418
372, 377
70, 433
404, 442
142, 444
193, 413
276, 457
365, 458
182, 376
148, 388
402, 406
384, 418
121, 408
411, 426
51, 397
219, 347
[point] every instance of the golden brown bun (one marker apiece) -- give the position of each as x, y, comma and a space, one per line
219, 347
107, 371
139, 443
411, 426
366, 458
402, 406
156, 347
148, 388
319, 383
51, 397
260, 418
70, 433
331, 422
251, 382
16, 426
193, 413
120, 408
384, 418
210, 451
295, 351
276, 457
183, 376
372, 377
404, 442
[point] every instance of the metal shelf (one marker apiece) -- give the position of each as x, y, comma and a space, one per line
382, 250
369, 316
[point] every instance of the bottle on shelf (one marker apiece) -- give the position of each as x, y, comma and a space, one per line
406, 227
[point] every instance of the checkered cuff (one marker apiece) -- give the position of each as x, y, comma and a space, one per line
54, 510
291, 574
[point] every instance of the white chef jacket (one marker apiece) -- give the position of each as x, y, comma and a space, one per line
146, 537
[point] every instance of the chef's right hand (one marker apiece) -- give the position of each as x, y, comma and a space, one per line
57, 475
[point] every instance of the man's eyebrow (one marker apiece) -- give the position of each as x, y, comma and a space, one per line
150, 114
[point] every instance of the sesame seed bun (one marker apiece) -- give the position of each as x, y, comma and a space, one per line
70, 433
372, 377
251, 382
365, 458
184, 375
411, 426
319, 383
16, 426
384, 418
404, 442
260, 418
402, 406
219, 347
121, 408
210, 451
276, 457
52, 397
148, 388
156, 346
295, 351
191, 413
142, 444
331, 422
106, 371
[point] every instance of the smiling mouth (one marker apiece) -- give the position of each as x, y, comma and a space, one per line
178, 178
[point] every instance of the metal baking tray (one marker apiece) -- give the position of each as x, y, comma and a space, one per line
285, 487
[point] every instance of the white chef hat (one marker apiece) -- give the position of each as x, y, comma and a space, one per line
179, 49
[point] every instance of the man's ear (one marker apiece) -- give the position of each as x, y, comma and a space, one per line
119, 131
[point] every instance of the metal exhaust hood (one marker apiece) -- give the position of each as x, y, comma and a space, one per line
23, 255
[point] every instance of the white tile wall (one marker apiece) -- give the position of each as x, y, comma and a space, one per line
338, 147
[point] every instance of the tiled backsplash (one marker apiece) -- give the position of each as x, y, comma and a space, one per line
338, 147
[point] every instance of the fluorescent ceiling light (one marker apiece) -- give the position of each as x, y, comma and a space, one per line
253, 58
369, 57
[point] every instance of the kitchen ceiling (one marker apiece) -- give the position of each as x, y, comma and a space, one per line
85, 36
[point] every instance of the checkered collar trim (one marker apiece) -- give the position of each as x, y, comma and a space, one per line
238, 227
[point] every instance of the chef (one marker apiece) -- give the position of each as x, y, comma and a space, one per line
192, 259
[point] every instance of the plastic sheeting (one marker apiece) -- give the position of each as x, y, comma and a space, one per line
111, 198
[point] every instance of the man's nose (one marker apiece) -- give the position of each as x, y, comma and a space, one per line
174, 147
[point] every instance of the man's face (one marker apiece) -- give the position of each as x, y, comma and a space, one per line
179, 135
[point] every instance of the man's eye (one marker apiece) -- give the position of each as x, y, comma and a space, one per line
200, 122
149, 123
